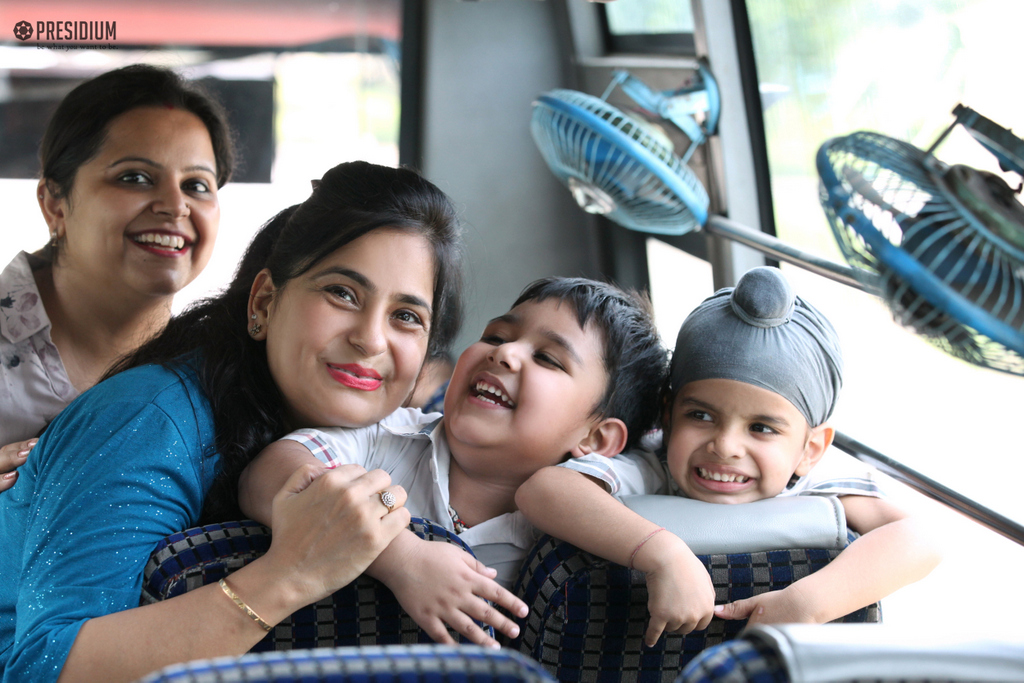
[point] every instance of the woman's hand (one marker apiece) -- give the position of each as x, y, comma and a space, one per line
329, 526
13, 456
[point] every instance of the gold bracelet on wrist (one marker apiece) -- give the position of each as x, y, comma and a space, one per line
242, 606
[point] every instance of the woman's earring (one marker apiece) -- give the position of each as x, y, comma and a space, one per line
53, 239
256, 327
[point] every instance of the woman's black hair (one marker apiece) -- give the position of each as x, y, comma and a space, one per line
351, 200
79, 126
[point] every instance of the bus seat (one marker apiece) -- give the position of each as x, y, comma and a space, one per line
710, 529
740, 660
363, 613
388, 664
846, 653
588, 616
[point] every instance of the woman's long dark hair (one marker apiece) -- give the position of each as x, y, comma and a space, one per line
351, 200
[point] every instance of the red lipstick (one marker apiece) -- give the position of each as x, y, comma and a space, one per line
356, 376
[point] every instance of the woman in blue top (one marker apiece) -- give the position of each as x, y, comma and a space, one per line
333, 310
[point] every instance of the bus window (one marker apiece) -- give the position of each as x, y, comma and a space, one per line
899, 69
307, 85
651, 26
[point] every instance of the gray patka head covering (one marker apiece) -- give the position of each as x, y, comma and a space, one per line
761, 334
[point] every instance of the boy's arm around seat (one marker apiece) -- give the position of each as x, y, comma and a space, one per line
576, 508
896, 549
436, 583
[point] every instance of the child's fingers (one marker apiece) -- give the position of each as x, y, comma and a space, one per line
475, 605
740, 609
509, 602
469, 628
682, 626
438, 632
460, 622
654, 630
479, 567
488, 589
704, 622
484, 612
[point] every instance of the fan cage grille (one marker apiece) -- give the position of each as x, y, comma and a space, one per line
943, 274
583, 137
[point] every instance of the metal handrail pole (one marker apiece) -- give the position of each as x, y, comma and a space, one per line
776, 248
931, 488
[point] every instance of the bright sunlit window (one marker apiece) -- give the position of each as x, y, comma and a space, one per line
899, 68
649, 16
649, 26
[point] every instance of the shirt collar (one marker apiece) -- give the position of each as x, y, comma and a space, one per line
440, 461
425, 429
21, 308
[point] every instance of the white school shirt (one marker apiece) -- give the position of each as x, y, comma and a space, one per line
411, 447
34, 384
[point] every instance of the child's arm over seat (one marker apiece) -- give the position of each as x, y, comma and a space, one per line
576, 508
267, 473
435, 583
895, 549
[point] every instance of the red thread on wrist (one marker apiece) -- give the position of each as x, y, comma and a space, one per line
641, 544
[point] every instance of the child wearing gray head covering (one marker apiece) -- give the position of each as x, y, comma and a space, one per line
760, 333
754, 378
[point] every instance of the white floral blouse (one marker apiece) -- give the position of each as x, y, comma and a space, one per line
34, 385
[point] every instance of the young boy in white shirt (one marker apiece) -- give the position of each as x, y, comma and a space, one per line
571, 370
754, 378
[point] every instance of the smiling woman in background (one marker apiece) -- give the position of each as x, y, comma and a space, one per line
131, 164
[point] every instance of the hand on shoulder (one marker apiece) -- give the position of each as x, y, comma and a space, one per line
13, 456
329, 526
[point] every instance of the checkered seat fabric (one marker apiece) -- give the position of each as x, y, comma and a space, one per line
588, 616
363, 613
390, 664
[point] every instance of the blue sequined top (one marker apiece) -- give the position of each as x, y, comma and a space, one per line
127, 463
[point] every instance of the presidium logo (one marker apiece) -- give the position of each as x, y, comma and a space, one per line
23, 30
66, 30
